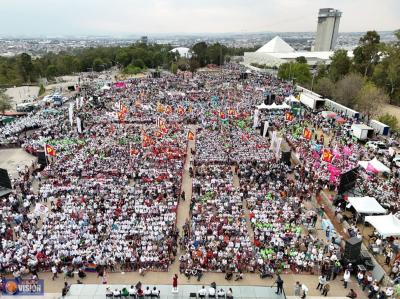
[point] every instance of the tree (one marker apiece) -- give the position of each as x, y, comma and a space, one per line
123, 57
5, 101
366, 55
301, 59
174, 68
51, 71
347, 89
325, 87
298, 72
397, 34
200, 52
370, 99
216, 54
387, 73
322, 71
340, 65
25, 67
389, 120
139, 63
98, 65
42, 90
193, 64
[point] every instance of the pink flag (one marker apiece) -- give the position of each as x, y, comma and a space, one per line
371, 168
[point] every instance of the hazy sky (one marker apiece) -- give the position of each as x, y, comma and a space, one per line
121, 17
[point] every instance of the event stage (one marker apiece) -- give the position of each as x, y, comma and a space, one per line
95, 291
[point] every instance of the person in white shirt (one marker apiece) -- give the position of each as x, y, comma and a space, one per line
132, 291
147, 291
202, 292
211, 292
346, 278
304, 291
155, 292
221, 293
116, 293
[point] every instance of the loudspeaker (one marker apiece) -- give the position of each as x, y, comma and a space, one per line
5, 181
272, 98
267, 100
42, 158
285, 158
71, 88
244, 76
352, 249
347, 181
156, 74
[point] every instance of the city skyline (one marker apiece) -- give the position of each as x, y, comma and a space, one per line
130, 17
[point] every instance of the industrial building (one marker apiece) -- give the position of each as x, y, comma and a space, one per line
327, 29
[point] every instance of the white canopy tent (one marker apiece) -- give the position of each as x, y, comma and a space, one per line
386, 225
262, 106
366, 205
374, 164
273, 106
105, 87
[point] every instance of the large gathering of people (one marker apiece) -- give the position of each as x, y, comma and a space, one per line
110, 194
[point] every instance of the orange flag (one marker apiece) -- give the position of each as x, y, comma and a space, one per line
289, 116
190, 135
50, 150
181, 110
327, 156
307, 134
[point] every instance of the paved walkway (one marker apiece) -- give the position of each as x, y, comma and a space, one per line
184, 291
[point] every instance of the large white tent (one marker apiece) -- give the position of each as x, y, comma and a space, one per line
366, 205
386, 225
373, 165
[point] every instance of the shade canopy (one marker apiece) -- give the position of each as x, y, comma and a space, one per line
386, 225
374, 166
273, 106
328, 114
366, 205
262, 106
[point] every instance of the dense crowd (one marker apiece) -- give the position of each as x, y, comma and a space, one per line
110, 196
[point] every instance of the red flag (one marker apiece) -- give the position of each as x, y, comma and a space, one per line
124, 109
307, 134
288, 116
50, 150
222, 115
232, 112
190, 135
134, 152
168, 110
158, 134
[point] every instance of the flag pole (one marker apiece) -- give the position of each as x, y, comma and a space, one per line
45, 154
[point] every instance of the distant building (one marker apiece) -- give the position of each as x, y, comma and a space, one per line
144, 39
277, 51
183, 52
327, 30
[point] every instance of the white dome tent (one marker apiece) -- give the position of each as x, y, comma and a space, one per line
183, 52
276, 45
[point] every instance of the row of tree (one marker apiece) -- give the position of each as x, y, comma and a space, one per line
363, 82
22, 69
